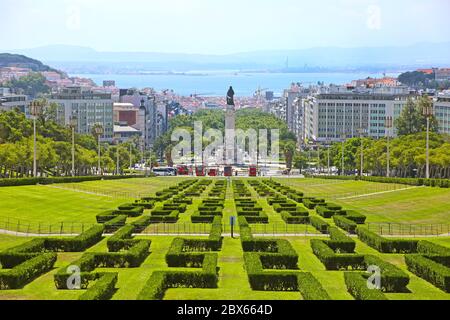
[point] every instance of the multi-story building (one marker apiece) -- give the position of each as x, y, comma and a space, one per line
289, 100
10, 101
125, 114
89, 107
442, 112
124, 133
442, 74
338, 113
147, 117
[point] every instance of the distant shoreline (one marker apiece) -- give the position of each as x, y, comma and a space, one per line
215, 83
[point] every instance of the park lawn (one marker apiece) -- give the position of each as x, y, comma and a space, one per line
233, 281
49, 205
7, 241
331, 189
417, 205
126, 188
54, 204
423, 205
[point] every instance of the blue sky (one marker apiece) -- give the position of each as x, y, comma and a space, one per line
221, 26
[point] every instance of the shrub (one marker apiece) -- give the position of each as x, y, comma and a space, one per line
115, 224
294, 219
430, 248
340, 242
319, 224
146, 204
24, 273
357, 286
386, 245
333, 261
117, 242
160, 281
355, 216
311, 203
346, 224
393, 279
164, 216
310, 288
432, 271
103, 289
141, 224
325, 211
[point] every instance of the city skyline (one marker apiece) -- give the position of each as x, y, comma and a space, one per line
204, 27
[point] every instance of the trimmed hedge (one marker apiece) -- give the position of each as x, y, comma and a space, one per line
333, 261
355, 216
134, 257
345, 223
19, 254
430, 248
323, 211
357, 286
310, 288
103, 289
160, 281
432, 271
311, 203
54, 180
187, 253
393, 279
289, 218
384, 245
340, 242
24, 273
319, 224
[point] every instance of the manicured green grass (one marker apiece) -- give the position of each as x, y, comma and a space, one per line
59, 203
126, 188
422, 205
329, 189
39, 203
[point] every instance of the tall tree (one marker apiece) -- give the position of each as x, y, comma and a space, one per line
412, 119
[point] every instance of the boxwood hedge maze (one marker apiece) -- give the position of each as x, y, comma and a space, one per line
177, 244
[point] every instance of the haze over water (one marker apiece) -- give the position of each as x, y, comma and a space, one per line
215, 84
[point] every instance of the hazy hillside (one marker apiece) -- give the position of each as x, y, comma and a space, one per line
71, 58
20, 61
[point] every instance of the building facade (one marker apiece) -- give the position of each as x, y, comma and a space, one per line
338, 115
89, 108
442, 112
10, 101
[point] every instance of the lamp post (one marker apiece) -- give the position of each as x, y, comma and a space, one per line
131, 159
99, 132
318, 158
343, 137
328, 143
35, 109
118, 158
388, 125
73, 124
362, 133
428, 113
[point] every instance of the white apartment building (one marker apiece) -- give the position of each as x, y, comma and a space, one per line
337, 113
10, 101
88, 107
442, 112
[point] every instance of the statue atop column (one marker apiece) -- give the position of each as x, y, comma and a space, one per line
230, 97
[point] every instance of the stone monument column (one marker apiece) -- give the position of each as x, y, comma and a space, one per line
230, 126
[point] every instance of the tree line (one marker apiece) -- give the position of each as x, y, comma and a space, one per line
54, 149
